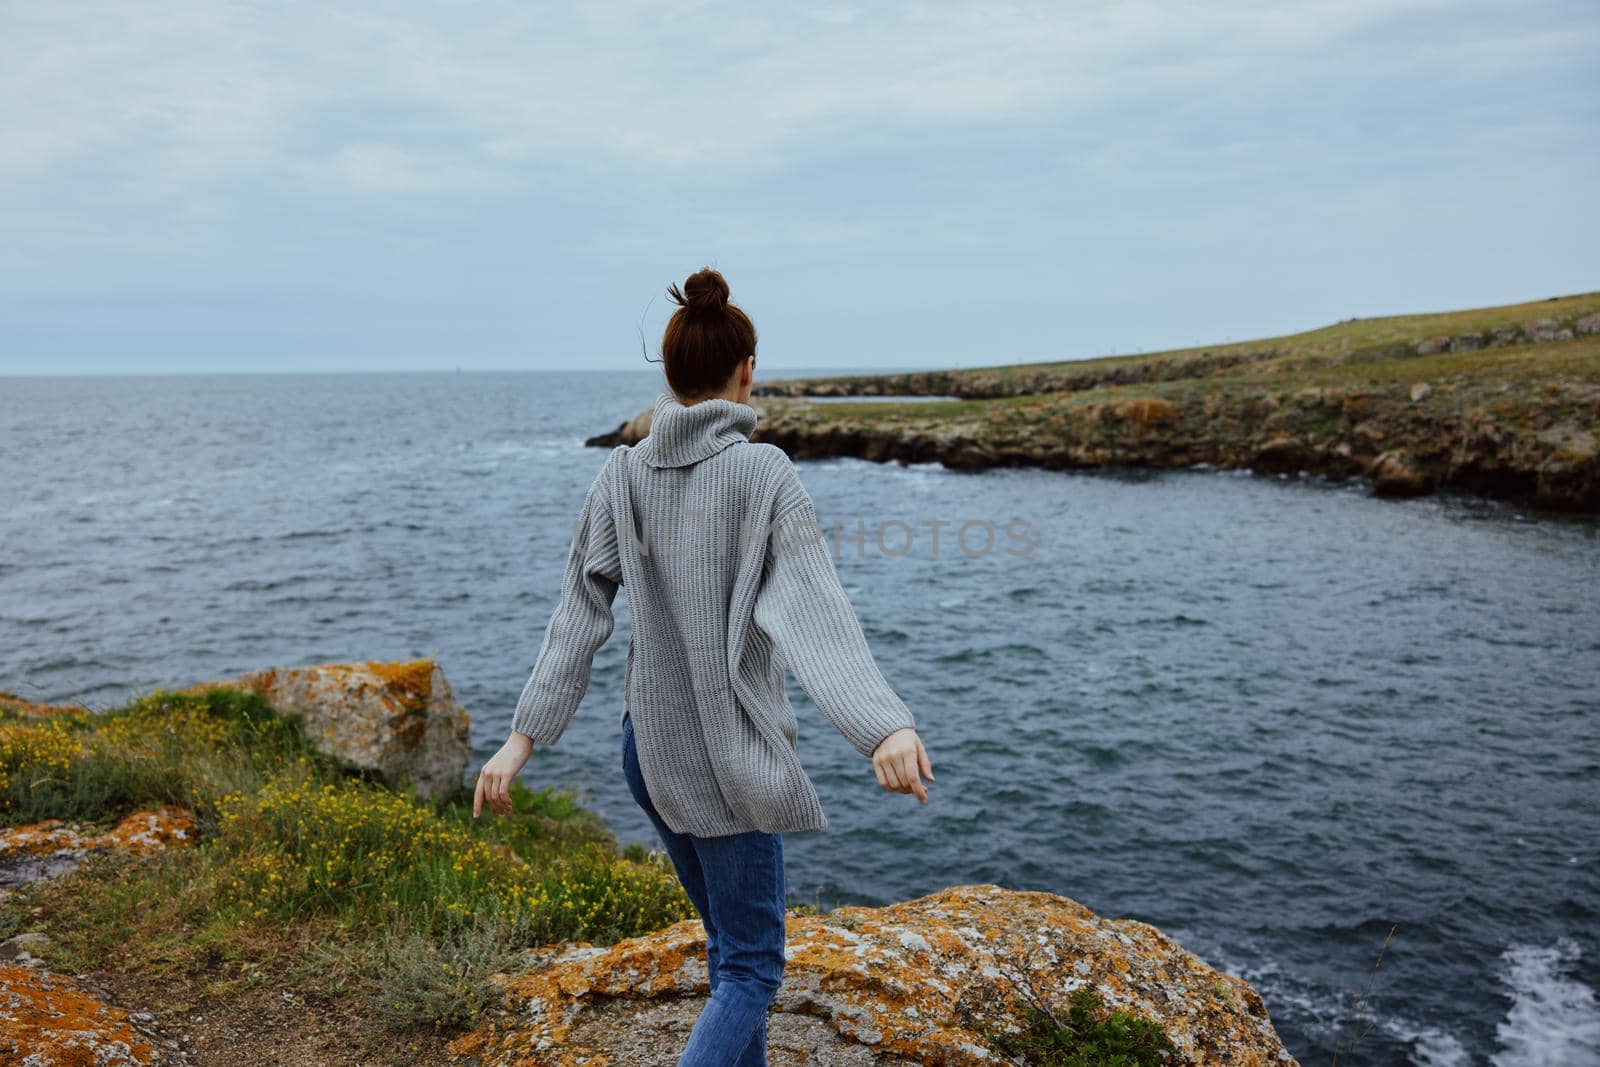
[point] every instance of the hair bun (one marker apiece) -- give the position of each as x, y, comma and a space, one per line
706, 339
705, 292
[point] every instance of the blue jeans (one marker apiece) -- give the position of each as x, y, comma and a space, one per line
736, 884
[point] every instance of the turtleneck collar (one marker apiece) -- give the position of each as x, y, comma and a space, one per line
684, 434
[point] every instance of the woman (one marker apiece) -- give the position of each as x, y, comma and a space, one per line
729, 580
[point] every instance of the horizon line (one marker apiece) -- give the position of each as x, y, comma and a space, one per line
803, 370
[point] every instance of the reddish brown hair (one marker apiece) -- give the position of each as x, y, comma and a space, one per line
706, 338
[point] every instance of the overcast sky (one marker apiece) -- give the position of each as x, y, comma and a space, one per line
272, 186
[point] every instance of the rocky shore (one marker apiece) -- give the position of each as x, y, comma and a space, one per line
1502, 402
910, 983
211, 927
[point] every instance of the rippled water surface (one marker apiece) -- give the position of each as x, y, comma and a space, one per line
1273, 718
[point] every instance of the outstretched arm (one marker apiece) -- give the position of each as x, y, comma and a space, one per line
814, 628
581, 623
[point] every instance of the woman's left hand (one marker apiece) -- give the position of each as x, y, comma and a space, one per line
494, 780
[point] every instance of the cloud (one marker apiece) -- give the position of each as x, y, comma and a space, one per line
215, 148
189, 96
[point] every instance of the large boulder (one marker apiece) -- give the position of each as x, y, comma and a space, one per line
400, 720
905, 984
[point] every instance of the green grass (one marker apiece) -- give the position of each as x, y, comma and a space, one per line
1578, 358
163, 748
305, 865
884, 410
1360, 340
1526, 368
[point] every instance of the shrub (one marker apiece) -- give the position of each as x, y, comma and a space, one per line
1088, 1036
1083, 1033
358, 851
418, 982
166, 747
34, 758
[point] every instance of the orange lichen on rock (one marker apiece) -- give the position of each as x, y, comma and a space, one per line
40, 839
142, 831
411, 683
146, 831
44, 1021
890, 979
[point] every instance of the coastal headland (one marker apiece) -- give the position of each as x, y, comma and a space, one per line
1501, 402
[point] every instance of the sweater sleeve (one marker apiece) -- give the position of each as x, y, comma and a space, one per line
805, 611
581, 623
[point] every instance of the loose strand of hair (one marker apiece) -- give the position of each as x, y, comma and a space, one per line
644, 349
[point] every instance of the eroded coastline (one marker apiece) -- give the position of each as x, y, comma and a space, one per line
1502, 402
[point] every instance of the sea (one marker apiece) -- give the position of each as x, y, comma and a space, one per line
1345, 748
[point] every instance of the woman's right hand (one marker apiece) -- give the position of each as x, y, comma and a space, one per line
494, 780
901, 762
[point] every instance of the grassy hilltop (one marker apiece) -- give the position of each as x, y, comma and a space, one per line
1501, 401
1351, 343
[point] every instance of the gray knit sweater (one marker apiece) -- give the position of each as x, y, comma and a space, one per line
729, 580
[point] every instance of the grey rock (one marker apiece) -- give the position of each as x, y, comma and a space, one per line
24, 870
25, 949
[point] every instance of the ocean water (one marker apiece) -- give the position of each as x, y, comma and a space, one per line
1276, 718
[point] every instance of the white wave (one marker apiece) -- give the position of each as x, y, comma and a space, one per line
1435, 1048
1327, 1014
1554, 1020
1430, 1046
